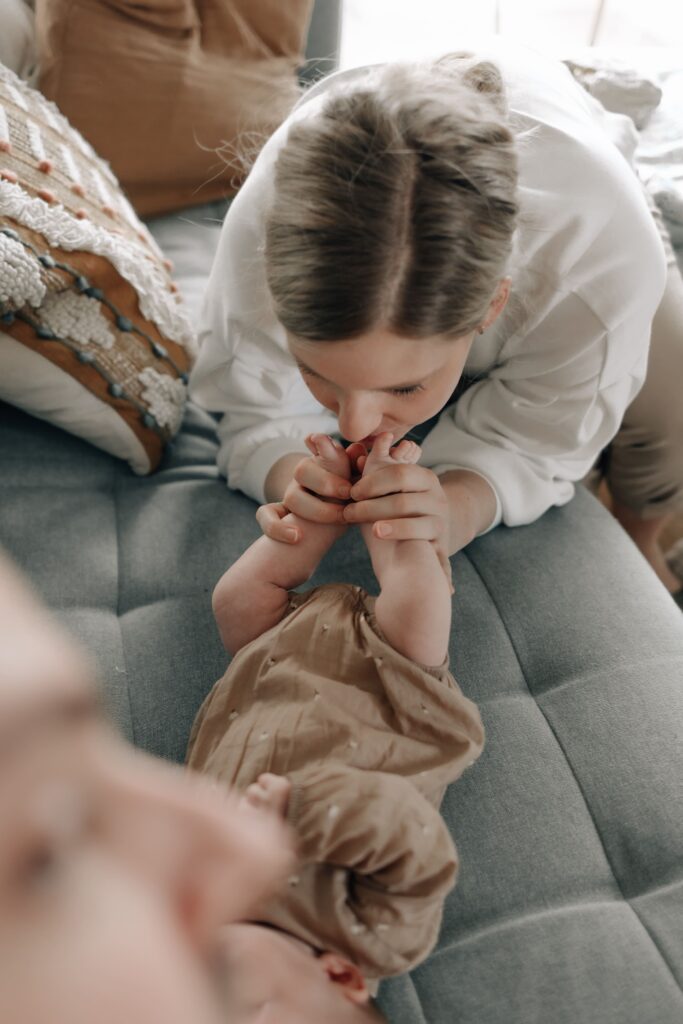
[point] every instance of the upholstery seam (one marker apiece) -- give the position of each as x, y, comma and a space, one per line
117, 519
423, 1019
409, 978
508, 921
576, 680
598, 833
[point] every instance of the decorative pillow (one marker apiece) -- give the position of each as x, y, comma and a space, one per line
168, 91
17, 36
619, 87
92, 334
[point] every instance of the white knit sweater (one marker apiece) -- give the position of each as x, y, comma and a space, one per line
561, 364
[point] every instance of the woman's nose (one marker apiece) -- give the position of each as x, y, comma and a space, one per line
359, 416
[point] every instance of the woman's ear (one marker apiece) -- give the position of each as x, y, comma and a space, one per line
342, 972
498, 302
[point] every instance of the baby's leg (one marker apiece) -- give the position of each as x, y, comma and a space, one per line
414, 607
252, 594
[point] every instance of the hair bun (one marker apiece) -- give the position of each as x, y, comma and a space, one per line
484, 77
481, 75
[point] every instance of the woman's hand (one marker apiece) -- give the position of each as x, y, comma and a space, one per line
317, 491
409, 501
405, 501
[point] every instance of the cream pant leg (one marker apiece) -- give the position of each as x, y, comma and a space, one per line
644, 463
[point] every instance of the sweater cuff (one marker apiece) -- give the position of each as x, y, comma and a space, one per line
252, 479
446, 467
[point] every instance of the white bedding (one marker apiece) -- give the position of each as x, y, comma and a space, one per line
647, 85
660, 156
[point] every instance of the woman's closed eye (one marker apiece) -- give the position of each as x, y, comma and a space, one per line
308, 372
410, 389
413, 389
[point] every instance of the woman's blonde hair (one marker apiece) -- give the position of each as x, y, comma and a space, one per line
395, 205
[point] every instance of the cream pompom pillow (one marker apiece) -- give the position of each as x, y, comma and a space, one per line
93, 337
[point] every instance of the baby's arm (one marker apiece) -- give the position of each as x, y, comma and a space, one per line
252, 595
414, 607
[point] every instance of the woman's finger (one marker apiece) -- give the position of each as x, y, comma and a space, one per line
270, 519
272, 512
315, 478
310, 506
414, 528
419, 528
402, 476
399, 505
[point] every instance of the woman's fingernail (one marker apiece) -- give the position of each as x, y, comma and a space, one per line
291, 534
383, 529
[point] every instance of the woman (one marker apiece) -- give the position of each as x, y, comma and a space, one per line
474, 243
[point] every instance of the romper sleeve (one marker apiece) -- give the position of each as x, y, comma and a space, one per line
244, 371
395, 845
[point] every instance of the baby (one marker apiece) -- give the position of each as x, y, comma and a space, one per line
338, 712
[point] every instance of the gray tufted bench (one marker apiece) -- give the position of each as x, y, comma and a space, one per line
569, 907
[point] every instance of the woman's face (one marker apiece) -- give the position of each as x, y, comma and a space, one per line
115, 869
381, 381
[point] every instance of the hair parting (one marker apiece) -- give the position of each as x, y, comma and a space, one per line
395, 204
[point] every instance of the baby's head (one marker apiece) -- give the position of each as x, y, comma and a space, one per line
273, 978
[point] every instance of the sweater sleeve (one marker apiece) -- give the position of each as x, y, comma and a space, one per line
536, 422
399, 854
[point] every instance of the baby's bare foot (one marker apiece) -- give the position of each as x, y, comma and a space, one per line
383, 454
330, 454
269, 793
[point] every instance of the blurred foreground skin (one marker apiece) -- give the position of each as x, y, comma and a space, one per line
116, 870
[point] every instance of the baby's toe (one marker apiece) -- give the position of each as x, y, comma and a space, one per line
406, 451
255, 796
380, 453
275, 790
312, 444
331, 455
382, 445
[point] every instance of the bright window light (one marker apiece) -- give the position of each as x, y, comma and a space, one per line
380, 30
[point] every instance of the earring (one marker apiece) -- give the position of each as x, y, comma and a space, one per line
480, 330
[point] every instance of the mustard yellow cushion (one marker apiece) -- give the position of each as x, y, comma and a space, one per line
92, 333
166, 90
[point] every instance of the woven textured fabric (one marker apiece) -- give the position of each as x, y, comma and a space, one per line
92, 334
569, 905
